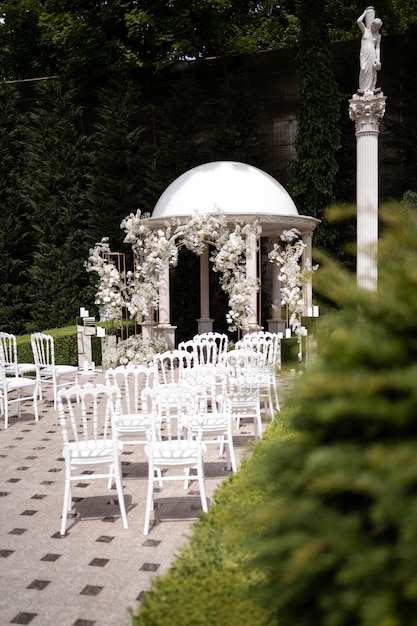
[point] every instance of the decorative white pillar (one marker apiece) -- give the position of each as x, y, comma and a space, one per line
276, 324
307, 260
165, 330
205, 323
366, 109
252, 275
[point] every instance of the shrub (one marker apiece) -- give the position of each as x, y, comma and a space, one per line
338, 544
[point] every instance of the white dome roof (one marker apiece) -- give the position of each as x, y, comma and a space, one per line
228, 186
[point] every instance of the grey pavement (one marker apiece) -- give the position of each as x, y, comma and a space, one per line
98, 570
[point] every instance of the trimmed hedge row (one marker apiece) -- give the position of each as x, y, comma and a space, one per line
212, 580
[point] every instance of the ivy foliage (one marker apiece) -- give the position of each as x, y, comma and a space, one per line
313, 172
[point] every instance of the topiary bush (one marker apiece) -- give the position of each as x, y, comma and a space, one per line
338, 537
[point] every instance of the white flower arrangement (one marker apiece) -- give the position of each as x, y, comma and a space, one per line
293, 276
153, 250
135, 350
109, 286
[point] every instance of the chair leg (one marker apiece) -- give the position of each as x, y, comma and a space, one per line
149, 503
203, 496
66, 506
6, 414
231, 455
121, 499
35, 403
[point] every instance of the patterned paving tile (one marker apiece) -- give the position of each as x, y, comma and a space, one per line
46, 578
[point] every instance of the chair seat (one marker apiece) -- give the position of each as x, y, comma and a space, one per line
22, 368
60, 370
17, 382
99, 452
132, 424
176, 453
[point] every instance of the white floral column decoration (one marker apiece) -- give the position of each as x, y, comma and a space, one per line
293, 276
155, 250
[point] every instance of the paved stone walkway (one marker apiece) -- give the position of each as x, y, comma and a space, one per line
98, 570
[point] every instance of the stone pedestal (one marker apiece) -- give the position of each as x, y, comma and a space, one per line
205, 325
366, 110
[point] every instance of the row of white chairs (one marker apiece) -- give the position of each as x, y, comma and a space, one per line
16, 386
175, 422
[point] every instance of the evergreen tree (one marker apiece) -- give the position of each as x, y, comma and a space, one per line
339, 539
15, 239
54, 193
122, 159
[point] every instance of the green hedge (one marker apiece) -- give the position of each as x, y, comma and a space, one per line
211, 582
65, 341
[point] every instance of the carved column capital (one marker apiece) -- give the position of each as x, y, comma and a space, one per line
367, 110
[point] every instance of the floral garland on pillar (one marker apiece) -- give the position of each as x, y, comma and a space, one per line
154, 249
293, 276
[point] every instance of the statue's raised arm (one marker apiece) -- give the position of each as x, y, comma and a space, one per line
370, 53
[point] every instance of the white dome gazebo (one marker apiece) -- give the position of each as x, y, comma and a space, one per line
241, 192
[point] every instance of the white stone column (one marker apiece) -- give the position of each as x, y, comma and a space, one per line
307, 260
165, 330
366, 110
276, 323
205, 323
252, 275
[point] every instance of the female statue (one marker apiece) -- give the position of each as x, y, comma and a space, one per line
370, 60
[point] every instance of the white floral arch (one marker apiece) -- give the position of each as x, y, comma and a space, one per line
228, 205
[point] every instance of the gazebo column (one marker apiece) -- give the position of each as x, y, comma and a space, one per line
166, 332
276, 324
307, 261
252, 275
205, 323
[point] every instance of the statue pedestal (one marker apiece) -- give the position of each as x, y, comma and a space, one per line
366, 110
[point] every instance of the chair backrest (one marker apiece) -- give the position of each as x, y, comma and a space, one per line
43, 349
170, 364
220, 339
243, 367
175, 413
203, 350
88, 413
132, 380
8, 350
265, 341
209, 381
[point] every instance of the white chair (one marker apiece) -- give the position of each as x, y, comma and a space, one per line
170, 364
174, 443
209, 382
46, 370
8, 352
203, 350
133, 380
268, 345
243, 394
88, 416
220, 339
15, 390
